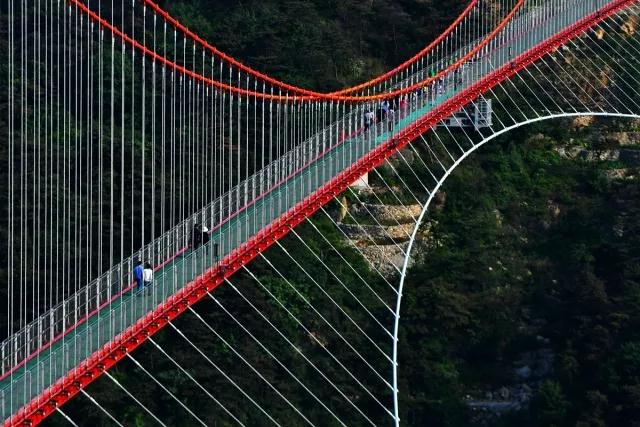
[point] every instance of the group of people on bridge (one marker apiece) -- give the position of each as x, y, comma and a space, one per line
143, 274
387, 109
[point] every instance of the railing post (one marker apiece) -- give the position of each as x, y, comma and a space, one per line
40, 333
112, 323
174, 281
64, 317
27, 342
14, 357
4, 356
52, 323
109, 284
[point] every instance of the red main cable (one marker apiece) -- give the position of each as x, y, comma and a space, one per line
298, 90
294, 98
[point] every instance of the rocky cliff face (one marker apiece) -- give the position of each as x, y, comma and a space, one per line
620, 147
380, 232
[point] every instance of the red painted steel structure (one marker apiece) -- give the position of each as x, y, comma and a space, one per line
104, 359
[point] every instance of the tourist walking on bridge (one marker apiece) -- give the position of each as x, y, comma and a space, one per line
369, 119
205, 241
205, 235
138, 272
147, 276
196, 236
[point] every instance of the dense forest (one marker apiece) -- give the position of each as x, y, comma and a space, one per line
528, 289
538, 265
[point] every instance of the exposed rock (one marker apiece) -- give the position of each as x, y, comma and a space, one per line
568, 152
369, 189
318, 339
619, 174
603, 155
537, 137
605, 76
630, 26
554, 209
499, 217
388, 214
386, 258
495, 407
342, 209
439, 200
504, 400
582, 122
622, 138
600, 33
504, 393
379, 234
532, 368
384, 242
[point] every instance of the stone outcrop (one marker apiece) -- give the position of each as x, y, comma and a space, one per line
622, 138
388, 214
377, 233
387, 259
381, 232
621, 146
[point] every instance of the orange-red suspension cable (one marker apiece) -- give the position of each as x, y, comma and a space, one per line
298, 90
288, 98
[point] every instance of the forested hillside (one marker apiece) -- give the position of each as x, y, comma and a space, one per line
528, 306
522, 309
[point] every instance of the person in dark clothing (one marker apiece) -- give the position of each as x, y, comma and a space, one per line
205, 235
379, 115
196, 236
205, 240
138, 274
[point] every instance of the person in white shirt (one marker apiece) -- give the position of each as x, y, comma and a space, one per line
147, 275
369, 119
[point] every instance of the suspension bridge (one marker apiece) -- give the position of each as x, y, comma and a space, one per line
130, 138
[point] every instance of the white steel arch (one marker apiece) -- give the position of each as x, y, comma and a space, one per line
423, 213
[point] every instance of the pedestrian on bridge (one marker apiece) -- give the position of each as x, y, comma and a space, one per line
138, 271
369, 119
147, 275
205, 235
403, 105
196, 236
205, 240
